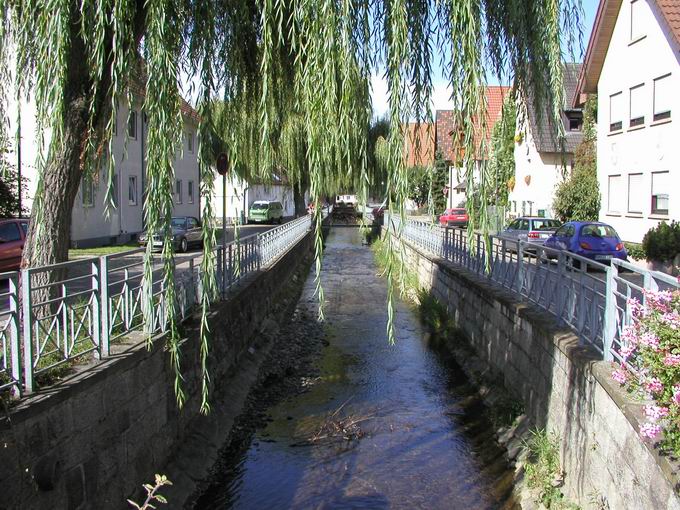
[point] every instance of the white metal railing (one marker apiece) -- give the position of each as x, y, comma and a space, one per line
589, 297
51, 316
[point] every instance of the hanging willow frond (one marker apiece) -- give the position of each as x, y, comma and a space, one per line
293, 78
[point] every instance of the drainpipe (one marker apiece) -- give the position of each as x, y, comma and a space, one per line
143, 161
244, 215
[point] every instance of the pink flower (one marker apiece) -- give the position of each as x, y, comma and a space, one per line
629, 335
650, 430
676, 394
626, 351
653, 385
650, 340
671, 360
656, 413
672, 319
636, 308
620, 375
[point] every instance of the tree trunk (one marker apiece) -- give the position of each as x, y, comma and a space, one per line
299, 190
66, 158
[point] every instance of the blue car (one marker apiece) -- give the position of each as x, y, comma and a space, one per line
594, 240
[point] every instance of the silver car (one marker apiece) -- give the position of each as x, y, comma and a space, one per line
529, 229
186, 231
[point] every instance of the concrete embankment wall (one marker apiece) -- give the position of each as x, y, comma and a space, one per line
564, 389
92, 440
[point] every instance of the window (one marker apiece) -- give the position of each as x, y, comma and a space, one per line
615, 111
598, 231
192, 223
9, 232
190, 191
660, 185
636, 31
575, 124
190, 142
514, 225
132, 125
132, 190
635, 197
178, 191
87, 191
637, 106
662, 98
565, 231
614, 194
24, 227
523, 225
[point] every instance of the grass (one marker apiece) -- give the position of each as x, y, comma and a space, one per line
543, 469
101, 250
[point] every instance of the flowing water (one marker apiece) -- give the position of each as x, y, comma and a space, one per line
415, 433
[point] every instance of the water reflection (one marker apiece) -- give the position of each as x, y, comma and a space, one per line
420, 442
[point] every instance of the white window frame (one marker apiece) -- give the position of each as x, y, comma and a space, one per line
616, 125
636, 92
634, 190
661, 114
178, 191
190, 142
132, 186
655, 210
615, 196
635, 6
190, 192
132, 125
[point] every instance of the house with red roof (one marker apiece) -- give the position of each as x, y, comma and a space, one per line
446, 142
541, 161
633, 64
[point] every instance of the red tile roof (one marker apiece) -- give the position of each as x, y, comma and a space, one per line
495, 95
419, 144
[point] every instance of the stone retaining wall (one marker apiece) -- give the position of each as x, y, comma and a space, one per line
91, 441
564, 389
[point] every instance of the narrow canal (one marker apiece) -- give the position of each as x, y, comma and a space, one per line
380, 427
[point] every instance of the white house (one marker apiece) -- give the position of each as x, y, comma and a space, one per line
90, 226
240, 194
540, 162
633, 63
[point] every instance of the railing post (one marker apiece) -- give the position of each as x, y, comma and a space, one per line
258, 254
14, 338
26, 305
560, 285
100, 315
520, 267
609, 330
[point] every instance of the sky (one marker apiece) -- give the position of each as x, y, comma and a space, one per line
441, 93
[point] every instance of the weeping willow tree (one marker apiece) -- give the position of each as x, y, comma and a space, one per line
304, 68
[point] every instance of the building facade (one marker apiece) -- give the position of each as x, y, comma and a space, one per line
633, 64
446, 131
541, 163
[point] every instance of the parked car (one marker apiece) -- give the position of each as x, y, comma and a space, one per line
594, 240
265, 211
456, 217
186, 231
12, 239
530, 229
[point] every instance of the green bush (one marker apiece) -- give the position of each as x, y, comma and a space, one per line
663, 242
635, 250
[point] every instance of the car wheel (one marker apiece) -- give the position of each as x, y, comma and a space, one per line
183, 245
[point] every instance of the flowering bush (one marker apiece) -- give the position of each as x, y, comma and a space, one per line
651, 346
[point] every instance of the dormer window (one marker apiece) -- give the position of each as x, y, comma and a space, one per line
636, 28
574, 120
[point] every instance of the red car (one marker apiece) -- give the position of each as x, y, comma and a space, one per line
12, 238
456, 217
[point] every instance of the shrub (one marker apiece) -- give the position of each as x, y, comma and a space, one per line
650, 347
636, 250
663, 242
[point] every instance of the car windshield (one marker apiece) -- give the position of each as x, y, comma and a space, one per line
598, 231
546, 224
258, 206
457, 211
179, 222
